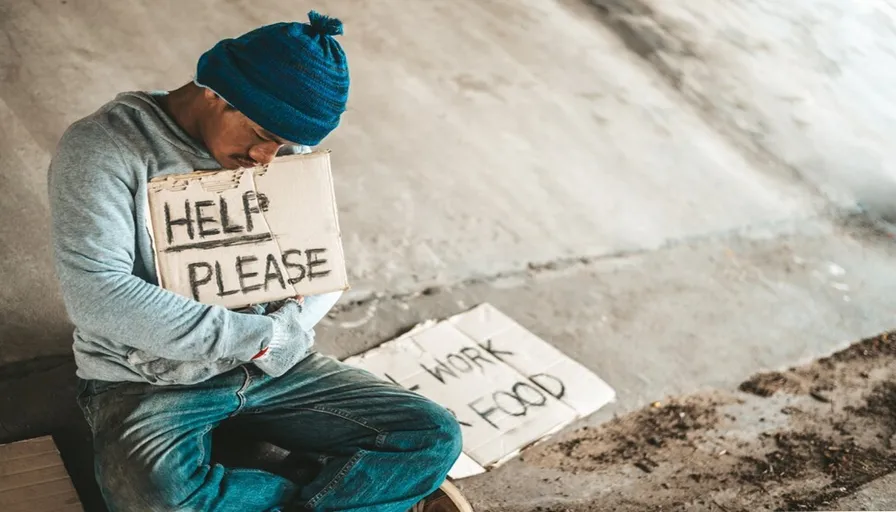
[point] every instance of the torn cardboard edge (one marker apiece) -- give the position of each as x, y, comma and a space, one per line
253, 235
503, 410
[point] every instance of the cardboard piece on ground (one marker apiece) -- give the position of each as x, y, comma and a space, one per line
248, 236
33, 478
507, 387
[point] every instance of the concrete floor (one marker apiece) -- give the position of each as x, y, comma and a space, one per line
675, 217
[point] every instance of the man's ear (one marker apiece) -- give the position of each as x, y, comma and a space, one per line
215, 101
210, 96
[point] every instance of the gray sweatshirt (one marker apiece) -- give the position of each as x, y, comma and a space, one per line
127, 328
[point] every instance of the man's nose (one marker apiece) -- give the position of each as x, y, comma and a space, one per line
265, 152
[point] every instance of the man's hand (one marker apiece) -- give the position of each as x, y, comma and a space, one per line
273, 307
290, 342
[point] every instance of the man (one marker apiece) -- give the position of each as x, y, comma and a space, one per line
159, 371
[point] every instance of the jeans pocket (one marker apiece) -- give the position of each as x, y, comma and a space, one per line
81, 389
102, 398
84, 393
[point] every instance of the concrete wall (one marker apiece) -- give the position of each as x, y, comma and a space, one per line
479, 138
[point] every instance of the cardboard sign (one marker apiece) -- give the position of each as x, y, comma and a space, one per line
249, 236
507, 387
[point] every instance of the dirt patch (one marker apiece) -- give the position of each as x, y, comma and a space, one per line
851, 467
793, 440
767, 384
799, 455
634, 439
851, 450
817, 379
794, 454
881, 404
883, 346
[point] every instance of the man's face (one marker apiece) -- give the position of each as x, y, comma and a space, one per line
233, 139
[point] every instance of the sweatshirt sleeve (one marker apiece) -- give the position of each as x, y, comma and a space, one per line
92, 185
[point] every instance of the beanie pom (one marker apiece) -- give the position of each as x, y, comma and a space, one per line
324, 25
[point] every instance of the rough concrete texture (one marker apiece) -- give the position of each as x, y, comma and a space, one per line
805, 83
671, 192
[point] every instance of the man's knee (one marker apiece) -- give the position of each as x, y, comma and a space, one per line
449, 438
441, 439
441, 446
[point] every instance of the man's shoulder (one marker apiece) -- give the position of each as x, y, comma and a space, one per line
117, 120
106, 142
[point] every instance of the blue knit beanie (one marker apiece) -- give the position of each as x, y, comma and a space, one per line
290, 78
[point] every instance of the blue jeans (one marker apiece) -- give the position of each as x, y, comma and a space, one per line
380, 447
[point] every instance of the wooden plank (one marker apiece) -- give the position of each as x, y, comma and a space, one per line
27, 448
36, 489
33, 478
37, 461
65, 501
30, 477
